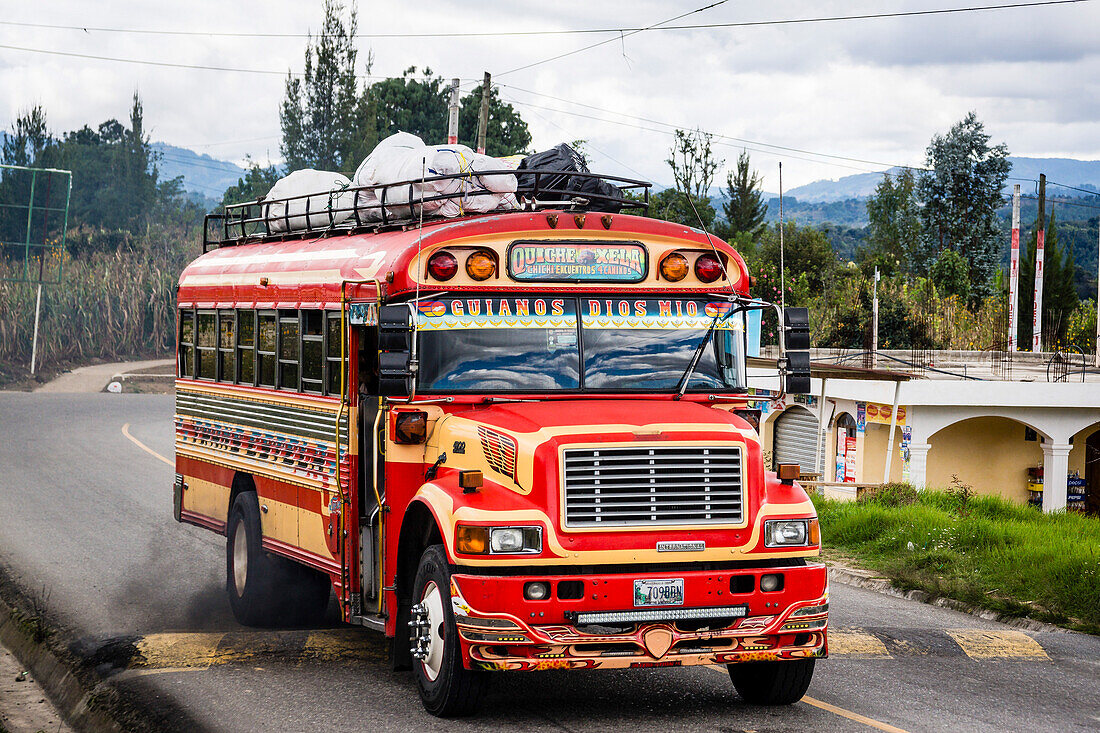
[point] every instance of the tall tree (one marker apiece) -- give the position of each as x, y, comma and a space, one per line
693, 167
894, 227
744, 206
960, 195
411, 103
321, 113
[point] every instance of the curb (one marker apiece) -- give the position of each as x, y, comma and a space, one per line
77, 704
870, 581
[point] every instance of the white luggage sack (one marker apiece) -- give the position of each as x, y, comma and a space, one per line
405, 157
323, 190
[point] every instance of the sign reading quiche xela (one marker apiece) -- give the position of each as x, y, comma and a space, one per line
577, 261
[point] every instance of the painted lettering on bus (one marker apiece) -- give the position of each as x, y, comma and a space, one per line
578, 261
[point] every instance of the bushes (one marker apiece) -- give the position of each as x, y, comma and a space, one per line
981, 550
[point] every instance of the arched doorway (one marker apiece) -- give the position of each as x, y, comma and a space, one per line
1092, 473
794, 442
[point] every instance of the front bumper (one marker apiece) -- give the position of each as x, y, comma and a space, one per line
500, 630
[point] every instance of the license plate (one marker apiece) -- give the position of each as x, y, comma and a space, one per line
659, 592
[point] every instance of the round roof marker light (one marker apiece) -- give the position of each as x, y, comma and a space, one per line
674, 267
480, 266
708, 268
442, 266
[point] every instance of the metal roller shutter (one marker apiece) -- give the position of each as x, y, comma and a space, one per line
795, 431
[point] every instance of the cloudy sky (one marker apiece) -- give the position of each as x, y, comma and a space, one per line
873, 89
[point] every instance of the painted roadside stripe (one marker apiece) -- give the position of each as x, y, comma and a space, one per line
204, 650
982, 644
834, 709
856, 644
147, 449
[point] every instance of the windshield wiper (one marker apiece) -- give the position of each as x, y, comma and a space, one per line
681, 386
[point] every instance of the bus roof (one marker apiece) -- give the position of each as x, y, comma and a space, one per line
318, 272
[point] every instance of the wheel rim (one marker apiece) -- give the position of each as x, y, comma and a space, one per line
240, 558
432, 600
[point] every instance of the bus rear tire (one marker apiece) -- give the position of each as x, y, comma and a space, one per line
447, 689
264, 590
772, 683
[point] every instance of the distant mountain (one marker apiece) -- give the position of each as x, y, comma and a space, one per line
202, 174
1080, 173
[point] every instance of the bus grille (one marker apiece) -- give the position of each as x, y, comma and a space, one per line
652, 485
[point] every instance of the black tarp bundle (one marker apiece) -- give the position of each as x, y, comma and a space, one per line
567, 160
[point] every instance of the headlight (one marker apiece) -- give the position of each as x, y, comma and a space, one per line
786, 532
471, 540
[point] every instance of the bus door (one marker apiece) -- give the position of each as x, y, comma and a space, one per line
371, 464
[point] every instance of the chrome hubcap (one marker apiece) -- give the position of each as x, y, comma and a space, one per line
425, 630
240, 558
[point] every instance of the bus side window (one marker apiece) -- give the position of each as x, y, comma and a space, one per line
246, 346
289, 349
368, 360
313, 359
266, 350
332, 352
187, 343
206, 343
227, 345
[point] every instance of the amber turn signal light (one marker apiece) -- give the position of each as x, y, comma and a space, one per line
411, 427
470, 481
480, 266
789, 472
674, 267
472, 540
815, 532
442, 266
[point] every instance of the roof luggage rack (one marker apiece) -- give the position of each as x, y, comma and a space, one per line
371, 208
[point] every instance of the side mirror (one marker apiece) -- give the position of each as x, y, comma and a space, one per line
796, 343
395, 375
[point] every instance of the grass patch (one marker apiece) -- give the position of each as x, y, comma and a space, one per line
977, 549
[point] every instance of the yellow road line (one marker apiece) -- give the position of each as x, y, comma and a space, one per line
981, 644
835, 710
147, 449
857, 645
851, 716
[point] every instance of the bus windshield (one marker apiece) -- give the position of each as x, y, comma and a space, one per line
532, 344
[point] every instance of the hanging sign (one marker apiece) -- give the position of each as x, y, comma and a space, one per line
578, 262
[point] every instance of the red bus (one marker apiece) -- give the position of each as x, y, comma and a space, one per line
509, 441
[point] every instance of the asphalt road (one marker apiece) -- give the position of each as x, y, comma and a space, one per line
85, 523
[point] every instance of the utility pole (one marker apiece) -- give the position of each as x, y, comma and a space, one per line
483, 117
782, 275
1014, 271
874, 323
452, 115
1040, 242
1098, 304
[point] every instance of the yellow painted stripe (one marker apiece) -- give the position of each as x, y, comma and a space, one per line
835, 709
147, 449
857, 645
982, 644
179, 650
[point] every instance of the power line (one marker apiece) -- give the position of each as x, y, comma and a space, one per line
549, 32
1075, 188
146, 62
609, 40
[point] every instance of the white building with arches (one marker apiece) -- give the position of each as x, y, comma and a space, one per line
931, 432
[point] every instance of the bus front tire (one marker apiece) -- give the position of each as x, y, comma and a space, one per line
772, 683
447, 689
264, 590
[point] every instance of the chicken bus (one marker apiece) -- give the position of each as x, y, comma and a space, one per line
509, 441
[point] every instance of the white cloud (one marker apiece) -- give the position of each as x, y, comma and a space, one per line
872, 89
